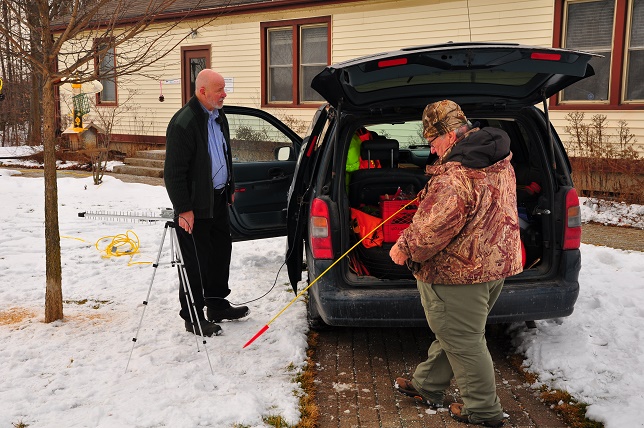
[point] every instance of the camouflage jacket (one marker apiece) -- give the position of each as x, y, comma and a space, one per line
466, 228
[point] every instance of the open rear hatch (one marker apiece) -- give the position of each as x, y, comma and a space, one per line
468, 73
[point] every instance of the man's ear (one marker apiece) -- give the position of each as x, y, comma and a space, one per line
452, 136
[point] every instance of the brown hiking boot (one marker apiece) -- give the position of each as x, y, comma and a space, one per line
455, 411
404, 386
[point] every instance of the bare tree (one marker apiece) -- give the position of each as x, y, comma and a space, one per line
58, 39
14, 111
106, 119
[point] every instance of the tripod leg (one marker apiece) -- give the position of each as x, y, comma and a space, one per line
188, 292
147, 297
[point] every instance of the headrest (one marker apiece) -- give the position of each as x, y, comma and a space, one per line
383, 149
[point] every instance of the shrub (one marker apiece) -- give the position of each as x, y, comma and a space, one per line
603, 167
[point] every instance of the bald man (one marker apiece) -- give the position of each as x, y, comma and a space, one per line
199, 180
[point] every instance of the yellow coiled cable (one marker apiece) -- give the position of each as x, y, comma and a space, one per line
121, 245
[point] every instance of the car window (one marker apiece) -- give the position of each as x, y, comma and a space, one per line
407, 134
254, 139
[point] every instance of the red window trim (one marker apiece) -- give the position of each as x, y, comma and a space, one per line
616, 80
294, 24
100, 103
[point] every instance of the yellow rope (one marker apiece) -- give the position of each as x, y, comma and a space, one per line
121, 245
72, 237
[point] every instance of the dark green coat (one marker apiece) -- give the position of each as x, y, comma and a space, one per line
187, 170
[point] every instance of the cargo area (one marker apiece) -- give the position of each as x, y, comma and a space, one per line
392, 172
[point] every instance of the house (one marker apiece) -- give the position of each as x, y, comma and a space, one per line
269, 50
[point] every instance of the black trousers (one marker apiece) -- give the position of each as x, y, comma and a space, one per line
206, 255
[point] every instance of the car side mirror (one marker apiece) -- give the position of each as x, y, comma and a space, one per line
283, 153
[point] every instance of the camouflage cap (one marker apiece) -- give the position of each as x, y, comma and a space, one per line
442, 117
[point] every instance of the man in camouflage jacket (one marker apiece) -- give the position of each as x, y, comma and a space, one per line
461, 245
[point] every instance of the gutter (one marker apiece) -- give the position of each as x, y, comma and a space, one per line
267, 5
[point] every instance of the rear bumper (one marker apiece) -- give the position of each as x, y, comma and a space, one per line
382, 306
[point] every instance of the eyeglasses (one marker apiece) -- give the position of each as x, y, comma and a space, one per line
434, 139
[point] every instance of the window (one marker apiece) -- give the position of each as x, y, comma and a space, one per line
254, 139
294, 52
105, 69
635, 54
613, 29
590, 28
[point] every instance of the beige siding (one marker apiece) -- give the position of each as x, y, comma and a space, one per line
359, 28
634, 120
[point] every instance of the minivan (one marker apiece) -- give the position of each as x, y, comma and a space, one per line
307, 189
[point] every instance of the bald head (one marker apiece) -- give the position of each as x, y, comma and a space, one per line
209, 89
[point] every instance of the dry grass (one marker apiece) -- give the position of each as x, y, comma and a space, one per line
15, 315
309, 410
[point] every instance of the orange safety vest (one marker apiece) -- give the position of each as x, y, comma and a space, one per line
364, 225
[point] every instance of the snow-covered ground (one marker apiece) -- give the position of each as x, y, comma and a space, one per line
72, 373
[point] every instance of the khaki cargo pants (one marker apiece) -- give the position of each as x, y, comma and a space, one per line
457, 314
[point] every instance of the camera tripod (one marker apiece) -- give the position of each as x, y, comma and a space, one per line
176, 260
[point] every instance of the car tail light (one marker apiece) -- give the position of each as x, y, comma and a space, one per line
572, 227
319, 230
546, 56
392, 62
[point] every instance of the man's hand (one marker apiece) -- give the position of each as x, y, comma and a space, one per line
187, 221
397, 256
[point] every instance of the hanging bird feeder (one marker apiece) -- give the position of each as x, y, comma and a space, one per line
81, 108
80, 99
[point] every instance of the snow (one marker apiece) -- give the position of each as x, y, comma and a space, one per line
75, 370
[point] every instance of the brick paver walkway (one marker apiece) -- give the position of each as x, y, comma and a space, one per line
357, 367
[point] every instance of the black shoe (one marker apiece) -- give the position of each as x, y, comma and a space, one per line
207, 327
230, 313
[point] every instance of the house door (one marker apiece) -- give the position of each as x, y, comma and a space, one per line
193, 60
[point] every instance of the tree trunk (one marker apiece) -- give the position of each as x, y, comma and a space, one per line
54, 289
35, 112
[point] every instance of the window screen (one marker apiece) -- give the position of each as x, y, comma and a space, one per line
280, 68
589, 27
106, 69
314, 57
634, 81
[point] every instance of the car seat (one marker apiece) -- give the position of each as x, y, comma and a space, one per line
384, 150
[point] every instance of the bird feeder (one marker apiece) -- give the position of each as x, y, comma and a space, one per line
80, 101
84, 138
